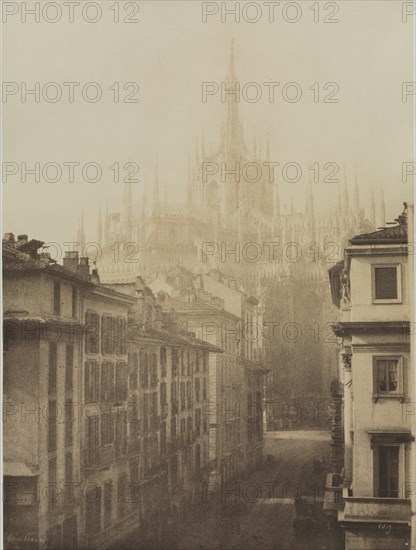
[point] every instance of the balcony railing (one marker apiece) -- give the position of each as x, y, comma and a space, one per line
383, 510
333, 492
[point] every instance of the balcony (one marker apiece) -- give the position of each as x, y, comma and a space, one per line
333, 493
379, 510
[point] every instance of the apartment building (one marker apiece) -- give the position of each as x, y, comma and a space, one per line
168, 379
218, 312
65, 367
373, 288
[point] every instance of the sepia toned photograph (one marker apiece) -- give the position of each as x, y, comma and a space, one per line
208, 275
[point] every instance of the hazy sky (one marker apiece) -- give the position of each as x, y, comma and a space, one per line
170, 52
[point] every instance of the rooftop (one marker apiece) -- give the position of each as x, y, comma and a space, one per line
395, 234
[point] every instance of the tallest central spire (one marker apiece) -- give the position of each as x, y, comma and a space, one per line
231, 64
234, 140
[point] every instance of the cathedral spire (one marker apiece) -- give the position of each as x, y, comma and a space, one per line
372, 208
81, 233
144, 202
156, 199
382, 208
189, 183
233, 126
127, 210
165, 192
356, 194
345, 199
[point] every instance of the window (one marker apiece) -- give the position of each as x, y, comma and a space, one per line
153, 369
69, 368
144, 370
197, 458
388, 377
386, 283
106, 343
52, 426
68, 478
388, 471
173, 427
57, 298
52, 368
197, 388
121, 382
122, 495
189, 428
92, 440
183, 401
52, 485
69, 532
69, 420
74, 301
134, 368
108, 496
93, 509
120, 435
92, 331
107, 428
175, 361
198, 421
153, 412
92, 376
188, 395
163, 361
174, 397
134, 417
122, 336
163, 437
107, 382
163, 393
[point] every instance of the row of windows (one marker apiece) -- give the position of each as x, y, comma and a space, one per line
105, 382
106, 437
124, 496
57, 299
108, 331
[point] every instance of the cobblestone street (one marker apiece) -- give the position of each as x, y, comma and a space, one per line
259, 511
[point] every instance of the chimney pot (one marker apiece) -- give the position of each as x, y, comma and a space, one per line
83, 267
71, 260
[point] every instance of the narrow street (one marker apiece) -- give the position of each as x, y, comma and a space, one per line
259, 511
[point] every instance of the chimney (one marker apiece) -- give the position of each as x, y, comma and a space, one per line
9, 239
71, 261
95, 278
21, 240
84, 267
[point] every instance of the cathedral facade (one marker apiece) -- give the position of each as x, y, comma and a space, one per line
232, 220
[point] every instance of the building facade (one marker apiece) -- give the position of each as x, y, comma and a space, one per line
217, 311
105, 432
374, 290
